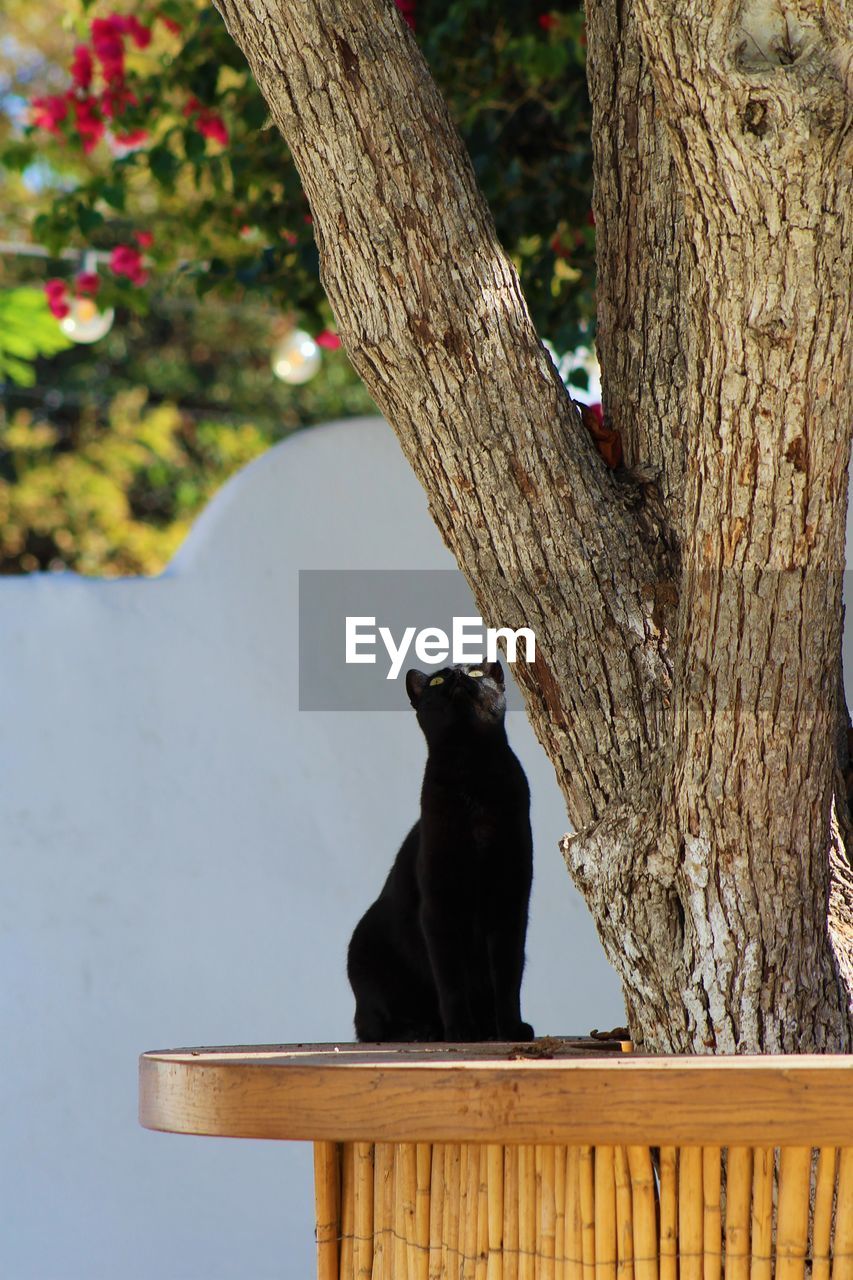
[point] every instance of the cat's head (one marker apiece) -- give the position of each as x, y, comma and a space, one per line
471, 696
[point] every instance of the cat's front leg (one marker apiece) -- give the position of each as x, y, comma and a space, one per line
448, 946
506, 964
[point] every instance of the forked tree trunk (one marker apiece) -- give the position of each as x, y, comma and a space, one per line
688, 631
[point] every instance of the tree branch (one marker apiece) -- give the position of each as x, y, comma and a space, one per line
432, 315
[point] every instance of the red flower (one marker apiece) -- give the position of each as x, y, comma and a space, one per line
208, 123
115, 99
407, 9
48, 113
144, 239
140, 35
81, 67
331, 341
548, 21
57, 298
90, 122
131, 139
109, 47
127, 261
170, 24
87, 283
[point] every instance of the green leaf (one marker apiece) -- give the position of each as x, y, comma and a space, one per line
89, 219
255, 112
113, 195
194, 146
27, 331
164, 166
17, 371
17, 156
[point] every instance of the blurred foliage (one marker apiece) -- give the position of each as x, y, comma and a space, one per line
118, 497
231, 215
518, 94
27, 330
107, 481
212, 361
233, 261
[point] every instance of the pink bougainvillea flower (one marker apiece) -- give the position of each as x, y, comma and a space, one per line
115, 100
548, 21
89, 122
107, 35
125, 260
87, 283
144, 239
131, 139
57, 298
331, 341
109, 47
212, 126
48, 113
140, 35
208, 123
407, 9
81, 67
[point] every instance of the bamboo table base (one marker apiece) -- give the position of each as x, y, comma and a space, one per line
470, 1211
465, 1162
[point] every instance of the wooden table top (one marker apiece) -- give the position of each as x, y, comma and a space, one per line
556, 1091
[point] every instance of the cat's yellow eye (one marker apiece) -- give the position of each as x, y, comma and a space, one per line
436, 680
476, 673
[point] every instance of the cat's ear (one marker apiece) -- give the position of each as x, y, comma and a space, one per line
495, 672
416, 682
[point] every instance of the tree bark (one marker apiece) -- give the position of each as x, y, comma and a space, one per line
688, 632
740, 209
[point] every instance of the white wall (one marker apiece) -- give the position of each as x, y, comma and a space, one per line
185, 856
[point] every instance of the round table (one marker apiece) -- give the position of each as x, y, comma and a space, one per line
565, 1159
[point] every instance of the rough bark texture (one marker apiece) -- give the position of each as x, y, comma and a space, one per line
729, 142
646, 269
688, 633
432, 315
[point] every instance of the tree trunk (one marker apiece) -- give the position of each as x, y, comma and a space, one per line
739, 213
688, 631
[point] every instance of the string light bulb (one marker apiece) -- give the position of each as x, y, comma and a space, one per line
84, 322
296, 358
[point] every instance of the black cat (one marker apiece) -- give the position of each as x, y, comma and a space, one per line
439, 954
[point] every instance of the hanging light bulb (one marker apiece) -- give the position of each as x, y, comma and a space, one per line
84, 322
296, 358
